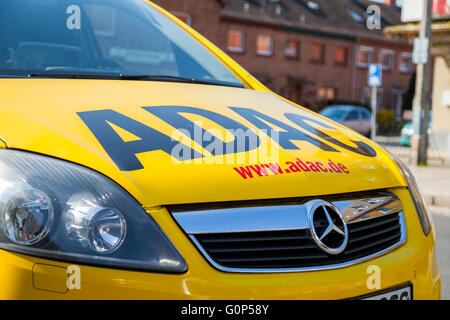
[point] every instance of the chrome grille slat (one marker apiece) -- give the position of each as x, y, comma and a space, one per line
364, 237
250, 239
374, 230
250, 249
379, 223
310, 252
318, 256
372, 244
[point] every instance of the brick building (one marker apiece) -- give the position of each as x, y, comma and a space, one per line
312, 52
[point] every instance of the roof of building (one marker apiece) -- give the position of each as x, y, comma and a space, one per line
339, 18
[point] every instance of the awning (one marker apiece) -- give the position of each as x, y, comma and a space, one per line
413, 28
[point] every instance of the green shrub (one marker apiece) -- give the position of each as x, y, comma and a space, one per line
387, 124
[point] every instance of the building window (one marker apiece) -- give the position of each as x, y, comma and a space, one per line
405, 62
278, 10
291, 49
264, 45
340, 56
313, 5
367, 96
185, 17
365, 56
236, 41
326, 94
386, 58
317, 53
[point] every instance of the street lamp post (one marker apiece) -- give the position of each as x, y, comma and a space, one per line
421, 103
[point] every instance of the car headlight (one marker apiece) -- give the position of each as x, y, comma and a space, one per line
419, 203
58, 210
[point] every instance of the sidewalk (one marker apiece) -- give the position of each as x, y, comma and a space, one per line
434, 184
433, 180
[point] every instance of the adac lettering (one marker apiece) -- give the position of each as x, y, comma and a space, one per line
285, 137
171, 115
123, 153
361, 147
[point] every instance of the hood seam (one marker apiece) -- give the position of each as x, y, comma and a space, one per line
4, 142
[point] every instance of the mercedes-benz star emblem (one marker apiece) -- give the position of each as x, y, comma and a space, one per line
328, 227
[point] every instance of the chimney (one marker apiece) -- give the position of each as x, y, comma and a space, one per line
392, 3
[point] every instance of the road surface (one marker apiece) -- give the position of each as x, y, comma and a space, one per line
441, 217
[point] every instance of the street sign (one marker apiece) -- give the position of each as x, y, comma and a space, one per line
412, 10
420, 52
374, 79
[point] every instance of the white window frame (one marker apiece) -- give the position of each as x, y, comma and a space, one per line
263, 53
297, 53
243, 41
367, 49
404, 54
387, 52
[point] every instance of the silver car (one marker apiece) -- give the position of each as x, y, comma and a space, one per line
354, 117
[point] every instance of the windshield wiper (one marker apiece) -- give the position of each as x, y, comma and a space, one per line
142, 77
162, 78
181, 79
74, 75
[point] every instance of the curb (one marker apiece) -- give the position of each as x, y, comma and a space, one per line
437, 200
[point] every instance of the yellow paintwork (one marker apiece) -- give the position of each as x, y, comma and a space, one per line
51, 126
39, 115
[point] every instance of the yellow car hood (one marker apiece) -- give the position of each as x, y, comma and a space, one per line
130, 130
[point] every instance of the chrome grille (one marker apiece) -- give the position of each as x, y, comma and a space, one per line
375, 225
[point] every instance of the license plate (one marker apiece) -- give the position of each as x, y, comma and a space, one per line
404, 293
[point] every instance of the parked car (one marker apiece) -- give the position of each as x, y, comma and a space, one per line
407, 131
354, 117
406, 134
134, 165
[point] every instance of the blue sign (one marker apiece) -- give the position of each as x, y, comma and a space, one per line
374, 75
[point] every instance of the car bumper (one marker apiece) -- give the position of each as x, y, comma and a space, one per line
25, 277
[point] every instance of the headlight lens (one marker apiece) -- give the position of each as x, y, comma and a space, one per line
58, 210
28, 214
419, 203
102, 229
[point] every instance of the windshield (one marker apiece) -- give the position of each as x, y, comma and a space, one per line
333, 112
100, 37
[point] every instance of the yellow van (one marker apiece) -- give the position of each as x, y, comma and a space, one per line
138, 161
